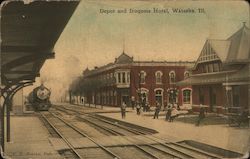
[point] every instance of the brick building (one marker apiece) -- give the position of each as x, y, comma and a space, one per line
148, 81
220, 78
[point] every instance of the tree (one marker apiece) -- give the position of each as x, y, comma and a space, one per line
82, 86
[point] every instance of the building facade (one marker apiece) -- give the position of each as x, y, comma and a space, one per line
221, 76
147, 81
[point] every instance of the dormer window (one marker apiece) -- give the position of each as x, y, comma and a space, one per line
158, 77
172, 77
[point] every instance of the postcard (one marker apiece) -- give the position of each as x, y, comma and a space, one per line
125, 79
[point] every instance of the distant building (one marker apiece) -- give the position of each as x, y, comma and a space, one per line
147, 81
220, 78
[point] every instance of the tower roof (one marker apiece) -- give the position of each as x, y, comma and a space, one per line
124, 58
240, 45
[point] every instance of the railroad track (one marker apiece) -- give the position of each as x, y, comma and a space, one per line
160, 149
145, 153
63, 128
57, 123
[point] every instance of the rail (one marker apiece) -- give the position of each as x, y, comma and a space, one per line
137, 133
85, 135
64, 139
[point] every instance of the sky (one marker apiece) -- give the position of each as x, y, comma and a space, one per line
93, 39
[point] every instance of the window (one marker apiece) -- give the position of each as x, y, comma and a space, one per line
158, 92
172, 77
128, 77
203, 68
210, 67
173, 95
216, 67
186, 74
123, 77
142, 77
158, 76
119, 77
186, 96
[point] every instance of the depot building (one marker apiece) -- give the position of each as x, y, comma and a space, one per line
220, 77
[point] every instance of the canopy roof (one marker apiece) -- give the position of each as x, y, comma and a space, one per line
241, 75
29, 32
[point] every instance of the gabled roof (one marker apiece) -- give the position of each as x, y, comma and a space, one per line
213, 49
236, 48
124, 58
240, 45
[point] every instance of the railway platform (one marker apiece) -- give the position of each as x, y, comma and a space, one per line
29, 139
230, 138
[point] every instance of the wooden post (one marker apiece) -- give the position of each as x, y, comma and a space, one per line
249, 106
8, 105
2, 127
1, 109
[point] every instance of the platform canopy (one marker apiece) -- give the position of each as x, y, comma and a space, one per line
29, 31
241, 76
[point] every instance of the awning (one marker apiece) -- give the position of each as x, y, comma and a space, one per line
242, 75
29, 33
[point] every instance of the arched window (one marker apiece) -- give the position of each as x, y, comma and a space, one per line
159, 95
186, 93
172, 77
186, 74
158, 77
142, 77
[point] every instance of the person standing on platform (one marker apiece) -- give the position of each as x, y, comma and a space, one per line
133, 102
143, 105
174, 113
157, 110
138, 108
201, 115
169, 110
123, 110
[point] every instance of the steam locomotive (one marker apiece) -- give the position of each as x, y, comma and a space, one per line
39, 98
